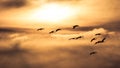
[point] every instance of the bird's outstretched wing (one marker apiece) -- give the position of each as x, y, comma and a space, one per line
51, 32
75, 26
94, 52
93, 39
40, 29
98, 34
58, 30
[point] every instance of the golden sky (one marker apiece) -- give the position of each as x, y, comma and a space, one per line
22, 47
64, 12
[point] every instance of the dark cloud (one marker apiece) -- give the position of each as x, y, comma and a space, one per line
6, 32
35, 53
61, 57
13, 30
111, 26
12, 3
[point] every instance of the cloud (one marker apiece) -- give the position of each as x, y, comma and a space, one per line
50, 52
110, 26
96, 12
14, 30
88, 13
6, 4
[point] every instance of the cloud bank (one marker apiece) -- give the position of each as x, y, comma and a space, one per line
6, 4
18, 48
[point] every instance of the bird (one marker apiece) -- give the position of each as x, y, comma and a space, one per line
98, 34
79, 37
51, 32
40, 29
98, 42
72, 38
93, 39
75, 26
101, 41
57, 30
94, 52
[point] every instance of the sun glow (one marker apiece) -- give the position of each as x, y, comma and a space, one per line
53, 13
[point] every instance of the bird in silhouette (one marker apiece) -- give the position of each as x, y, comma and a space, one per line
100, 41
75, 26
40, 29
57, 30
98, 34
93, 39
51, 32
103, 39
94, 52
72, 38
79, 37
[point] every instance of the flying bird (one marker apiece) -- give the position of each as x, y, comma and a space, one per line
100, 41
103, 39
79, 37
98, 34
51, 32
94, 52
58, 30
75, 26
40, 29
72, 38
93, 39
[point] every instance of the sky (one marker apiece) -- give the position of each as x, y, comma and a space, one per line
37, 12
23, 46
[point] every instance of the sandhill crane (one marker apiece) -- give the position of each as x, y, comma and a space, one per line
58, 30
40, 29
79, 37
101, 41
72, 38
93, 39
94, 52
98, 34
51, 32
98, 42
75, 26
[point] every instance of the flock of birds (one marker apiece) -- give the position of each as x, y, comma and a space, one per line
75, 38
100, 41
53, 31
